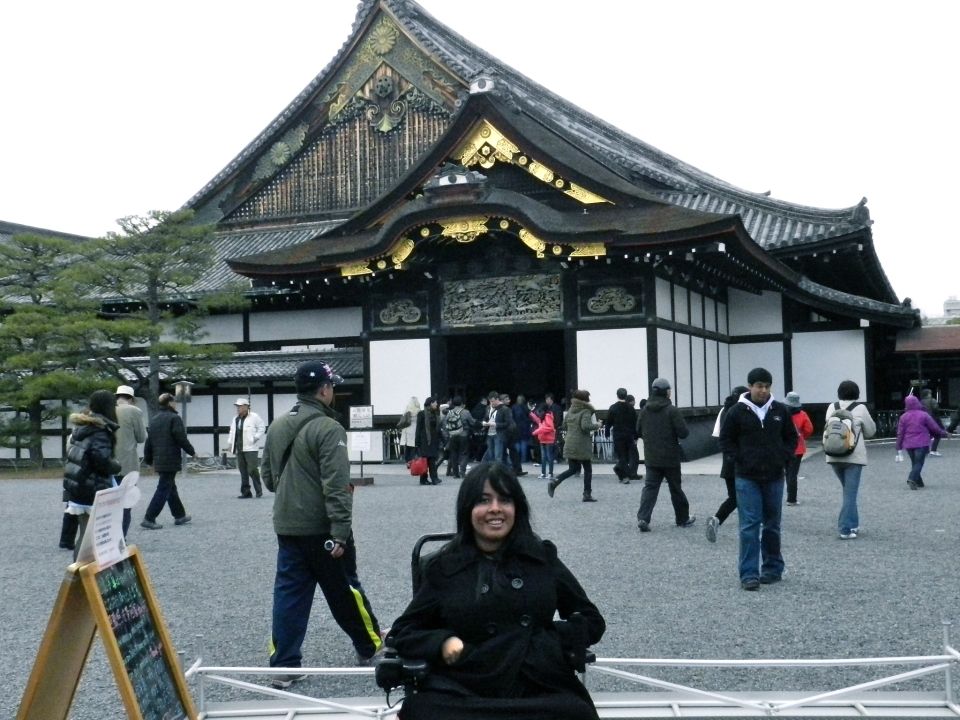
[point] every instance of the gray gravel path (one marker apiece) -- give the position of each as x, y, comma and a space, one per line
667, 593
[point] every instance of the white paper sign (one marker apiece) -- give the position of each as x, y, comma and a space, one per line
360, 441
361, 416
103, 539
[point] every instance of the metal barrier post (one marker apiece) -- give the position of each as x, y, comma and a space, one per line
947, 676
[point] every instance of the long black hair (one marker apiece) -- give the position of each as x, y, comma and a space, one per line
504, 482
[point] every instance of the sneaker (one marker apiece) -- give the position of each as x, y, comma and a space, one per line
688, 522
770, 579
67, 546
521, 473
912, 485
713, 524
624, 480
551, 487
793, 503
851, 535
182, 520
246, 496
589, 498
541, 476
282, 682
751, 584
936, 453
151, 525
643, 526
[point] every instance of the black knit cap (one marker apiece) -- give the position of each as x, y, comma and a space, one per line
759, 375
313, 374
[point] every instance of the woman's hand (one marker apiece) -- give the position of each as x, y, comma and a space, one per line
451, 650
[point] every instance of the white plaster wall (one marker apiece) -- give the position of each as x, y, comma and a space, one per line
663, 299
822, 360
665, 359
723, 317
744, 357
699, 381
681, 306
609, 359
294, 324
755, 314
399, 369
223, 328
696, 309
726, 379
710, 311
711, 352
683, 387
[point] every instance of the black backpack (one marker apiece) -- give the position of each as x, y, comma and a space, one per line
453, 423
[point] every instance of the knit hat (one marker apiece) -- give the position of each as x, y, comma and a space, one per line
759, 375
793, 399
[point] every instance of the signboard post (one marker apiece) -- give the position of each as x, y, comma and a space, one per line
361, 418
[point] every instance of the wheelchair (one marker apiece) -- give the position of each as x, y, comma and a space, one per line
394, 672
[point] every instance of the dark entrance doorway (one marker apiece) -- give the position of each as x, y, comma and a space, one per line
528, 363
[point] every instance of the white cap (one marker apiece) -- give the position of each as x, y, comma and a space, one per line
241, 401
125, 390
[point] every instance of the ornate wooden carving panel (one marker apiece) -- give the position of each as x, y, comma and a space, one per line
400, 312
599, 300
521, 299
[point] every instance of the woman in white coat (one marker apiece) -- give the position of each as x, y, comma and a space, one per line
408, 429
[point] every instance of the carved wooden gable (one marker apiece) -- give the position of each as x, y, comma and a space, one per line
380, 111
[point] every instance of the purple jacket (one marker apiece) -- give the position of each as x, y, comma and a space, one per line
916, 427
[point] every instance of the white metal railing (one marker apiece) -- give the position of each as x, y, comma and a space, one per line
678, 701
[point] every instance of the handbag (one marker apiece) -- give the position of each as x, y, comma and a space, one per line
419, 466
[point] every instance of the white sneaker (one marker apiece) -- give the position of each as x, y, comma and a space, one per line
541, 476
282, 682
935, 453
848, 536
713, 524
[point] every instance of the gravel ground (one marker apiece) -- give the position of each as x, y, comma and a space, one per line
667, 593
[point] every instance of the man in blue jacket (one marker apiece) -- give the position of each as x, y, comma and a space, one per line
758, 436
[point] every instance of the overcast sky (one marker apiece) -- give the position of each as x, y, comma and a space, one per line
114, 108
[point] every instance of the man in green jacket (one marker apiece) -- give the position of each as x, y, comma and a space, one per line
305, 463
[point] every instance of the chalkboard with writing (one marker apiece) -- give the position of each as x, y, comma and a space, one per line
141, 645
117, 602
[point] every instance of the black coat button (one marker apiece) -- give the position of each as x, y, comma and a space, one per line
484, 588
517, 583
525, 621
491, 628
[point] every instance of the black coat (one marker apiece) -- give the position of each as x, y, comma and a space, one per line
428, 433
661, 426
166, 437
90, 465
759, 451
513, 661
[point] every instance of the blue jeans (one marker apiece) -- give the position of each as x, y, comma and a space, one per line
546, 459
522, 447
302, 564
849, 476
759, 505
917, 457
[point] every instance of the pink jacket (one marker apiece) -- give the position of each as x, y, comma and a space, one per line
546, 433
916, 427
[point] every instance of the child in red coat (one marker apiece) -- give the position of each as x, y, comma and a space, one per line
546, 434
801, 421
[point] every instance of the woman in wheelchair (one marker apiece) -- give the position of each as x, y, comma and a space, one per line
483, 616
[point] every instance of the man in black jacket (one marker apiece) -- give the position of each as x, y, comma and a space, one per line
758, 437
661, 426
622, 421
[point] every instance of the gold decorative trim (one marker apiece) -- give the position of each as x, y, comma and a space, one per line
487, 145
588, 250
401, 251
533, 242
352, 270
465, 231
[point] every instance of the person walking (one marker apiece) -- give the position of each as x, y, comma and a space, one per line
622, 421
849, 468
801, 421
932, 406
726, 469
457, 424
131, 431
90, 465
545, 433
428, 439
758, 436
166, 441
305, 463
408, 430
247, 432
580, 422
661, 426
914, 431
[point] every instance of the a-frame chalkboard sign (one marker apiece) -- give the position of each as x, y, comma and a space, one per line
117, 600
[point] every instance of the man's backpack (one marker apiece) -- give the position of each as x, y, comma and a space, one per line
454, 422
840, 433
